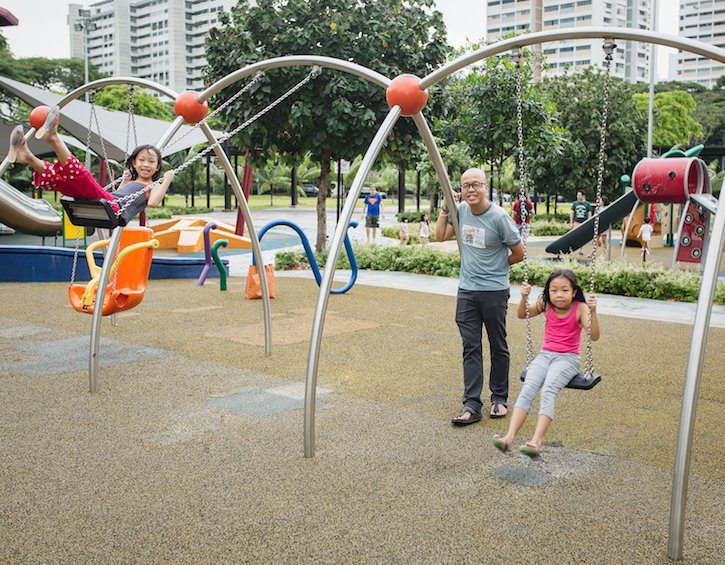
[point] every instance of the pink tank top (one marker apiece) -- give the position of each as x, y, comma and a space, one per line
562, 335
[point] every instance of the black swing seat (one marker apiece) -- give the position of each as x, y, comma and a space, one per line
581, 381
90, 213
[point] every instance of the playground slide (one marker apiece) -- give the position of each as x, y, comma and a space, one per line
583, 234
27, 215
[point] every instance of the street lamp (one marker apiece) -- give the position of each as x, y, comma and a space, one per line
84, 24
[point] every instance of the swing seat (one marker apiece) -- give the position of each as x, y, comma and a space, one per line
90, 213
133, 265
581, 381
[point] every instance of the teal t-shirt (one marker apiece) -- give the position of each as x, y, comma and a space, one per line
485, 242
581, 211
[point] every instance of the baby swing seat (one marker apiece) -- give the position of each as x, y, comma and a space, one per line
128, 276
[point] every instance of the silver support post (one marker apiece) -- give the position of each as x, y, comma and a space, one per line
98, 308
256, 248
701, 325
326, 283
440, 170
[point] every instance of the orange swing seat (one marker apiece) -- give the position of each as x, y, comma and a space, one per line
133, 265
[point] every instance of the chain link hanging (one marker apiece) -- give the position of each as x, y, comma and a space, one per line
522, 181
608, 47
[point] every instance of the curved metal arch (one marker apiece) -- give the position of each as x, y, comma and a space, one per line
295, 60
644, 36
112, 81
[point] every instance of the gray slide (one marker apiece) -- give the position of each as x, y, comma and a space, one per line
27, 215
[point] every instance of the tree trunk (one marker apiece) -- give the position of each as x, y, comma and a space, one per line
322, 201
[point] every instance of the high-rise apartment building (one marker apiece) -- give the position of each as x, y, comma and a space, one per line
158, 40
705, 21
630, 61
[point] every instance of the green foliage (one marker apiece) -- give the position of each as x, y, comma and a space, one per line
544, 226
579, 103
626, 279
673, 123
116, 97
166, 212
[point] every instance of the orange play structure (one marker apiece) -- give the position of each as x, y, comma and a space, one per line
129, 274
633, 237
187, 235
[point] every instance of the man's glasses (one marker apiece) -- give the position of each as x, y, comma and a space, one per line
474, 185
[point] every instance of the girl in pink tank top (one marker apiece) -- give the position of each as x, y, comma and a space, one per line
557, 363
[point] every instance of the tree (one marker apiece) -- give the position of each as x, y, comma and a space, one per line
672, 121
579, 103
336, 115
116, 97
482, 114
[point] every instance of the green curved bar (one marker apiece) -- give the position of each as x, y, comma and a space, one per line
218, 262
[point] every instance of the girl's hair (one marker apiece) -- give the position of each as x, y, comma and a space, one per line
568, 275
136, 153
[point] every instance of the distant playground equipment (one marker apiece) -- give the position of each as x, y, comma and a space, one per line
187, 235
130, 272
212, 251
252, 290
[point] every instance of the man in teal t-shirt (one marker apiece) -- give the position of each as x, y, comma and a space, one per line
490, 243
581, 210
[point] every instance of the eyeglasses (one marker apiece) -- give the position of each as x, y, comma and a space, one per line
474, 185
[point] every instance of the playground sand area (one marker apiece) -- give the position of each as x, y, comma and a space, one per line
192, 449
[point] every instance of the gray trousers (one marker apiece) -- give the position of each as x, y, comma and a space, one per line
548, 372
476, 309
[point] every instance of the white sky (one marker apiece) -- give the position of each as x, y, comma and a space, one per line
43, 29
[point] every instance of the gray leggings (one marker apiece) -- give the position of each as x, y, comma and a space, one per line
549, 372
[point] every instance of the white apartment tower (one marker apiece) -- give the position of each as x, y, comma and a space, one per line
158, 40
630, 61
705, 21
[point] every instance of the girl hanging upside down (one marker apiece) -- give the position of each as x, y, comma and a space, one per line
139, 188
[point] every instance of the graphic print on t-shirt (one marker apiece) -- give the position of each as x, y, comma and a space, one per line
473, 236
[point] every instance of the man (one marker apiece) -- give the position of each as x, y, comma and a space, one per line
581, 210
374, 206
521, 212
489, 244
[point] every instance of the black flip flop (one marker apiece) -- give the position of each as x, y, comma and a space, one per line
494, 411
475, 417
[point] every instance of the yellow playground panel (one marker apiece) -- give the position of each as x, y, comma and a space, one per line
187, 235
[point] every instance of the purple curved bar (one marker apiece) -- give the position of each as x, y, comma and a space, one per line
207, 253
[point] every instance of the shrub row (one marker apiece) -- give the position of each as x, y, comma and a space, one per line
624, 279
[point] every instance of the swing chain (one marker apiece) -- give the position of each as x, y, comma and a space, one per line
127, 200
522, 181
608, 47
131, 124
75, 256
257, 77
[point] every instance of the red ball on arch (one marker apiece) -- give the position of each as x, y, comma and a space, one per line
38, 115
405, 91
190, 108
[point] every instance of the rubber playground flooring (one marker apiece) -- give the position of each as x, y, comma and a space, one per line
192, 450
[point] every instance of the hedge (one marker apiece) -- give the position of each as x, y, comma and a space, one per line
624, 279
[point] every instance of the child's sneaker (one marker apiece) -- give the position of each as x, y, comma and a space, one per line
51, 123
16, 138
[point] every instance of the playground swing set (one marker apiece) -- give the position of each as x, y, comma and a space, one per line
130, 277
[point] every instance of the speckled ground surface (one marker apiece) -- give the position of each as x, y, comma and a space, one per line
192, 450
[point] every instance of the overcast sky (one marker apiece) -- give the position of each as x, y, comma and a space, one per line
43, 28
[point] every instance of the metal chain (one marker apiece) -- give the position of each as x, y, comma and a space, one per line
75, 256
608, 47
131, 124
257, 77
522, 181
127, 200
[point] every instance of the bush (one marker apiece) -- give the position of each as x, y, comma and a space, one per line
545, 226
625, 279
165, 212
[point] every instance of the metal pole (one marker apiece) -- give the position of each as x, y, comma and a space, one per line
326, 283
98, 308
85, 57
652, 64
681, 473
